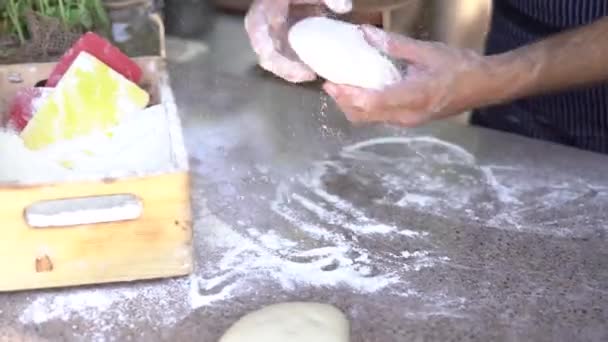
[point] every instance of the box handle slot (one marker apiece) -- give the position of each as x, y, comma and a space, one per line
69, 212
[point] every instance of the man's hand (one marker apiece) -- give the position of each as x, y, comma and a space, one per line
440, 81
267, 25
443, 81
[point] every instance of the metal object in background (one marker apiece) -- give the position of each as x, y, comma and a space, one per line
188, 18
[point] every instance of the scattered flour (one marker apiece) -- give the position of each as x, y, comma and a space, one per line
436, 177
328, 238
415, 199
44, 308
262, 256
326, 129
97, 312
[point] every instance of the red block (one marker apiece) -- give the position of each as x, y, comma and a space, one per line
24, 106
102, 50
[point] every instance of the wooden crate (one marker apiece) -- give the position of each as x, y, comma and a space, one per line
97, 231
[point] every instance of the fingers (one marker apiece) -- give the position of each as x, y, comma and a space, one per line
361, 105
355, 102
266, 13
339, 6
265, 23
258, 26
287, 69
364, 100
397, 45
398, 96
352, 113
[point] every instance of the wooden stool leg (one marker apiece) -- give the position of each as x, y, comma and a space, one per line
386, 20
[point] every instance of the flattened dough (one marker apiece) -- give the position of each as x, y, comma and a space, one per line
291, 322
338, 52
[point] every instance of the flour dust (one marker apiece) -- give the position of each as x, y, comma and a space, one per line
442, 179
327, 129
338, 225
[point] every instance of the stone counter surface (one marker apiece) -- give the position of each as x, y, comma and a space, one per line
442, 233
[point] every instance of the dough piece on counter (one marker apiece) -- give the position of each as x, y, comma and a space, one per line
291, 322
338, 52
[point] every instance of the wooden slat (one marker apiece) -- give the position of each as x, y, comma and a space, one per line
159, 244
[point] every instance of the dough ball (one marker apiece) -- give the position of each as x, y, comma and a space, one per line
338, 52
291, 322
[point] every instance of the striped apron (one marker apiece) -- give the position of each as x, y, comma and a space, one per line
576, 118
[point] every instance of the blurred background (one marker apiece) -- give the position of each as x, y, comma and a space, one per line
460, 23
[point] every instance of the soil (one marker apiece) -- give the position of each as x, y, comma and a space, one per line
48, 41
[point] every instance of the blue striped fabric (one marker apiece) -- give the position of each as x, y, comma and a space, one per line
577, 118
561, 13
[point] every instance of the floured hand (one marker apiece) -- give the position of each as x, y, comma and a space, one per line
267, 25
440, 81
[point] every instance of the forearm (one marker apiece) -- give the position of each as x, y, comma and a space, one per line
568, 60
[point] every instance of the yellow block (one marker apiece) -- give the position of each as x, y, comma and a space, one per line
91, 96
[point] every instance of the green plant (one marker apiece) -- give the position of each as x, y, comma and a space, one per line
80, 15
13, 12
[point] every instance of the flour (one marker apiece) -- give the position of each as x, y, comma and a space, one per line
504, 194
272, 240
415, 199
325, 234
443, 179
264, 256
96, 312
562, 206
63, 308
340, 6
342, 212
128, 152
362, 226
323, 242
326, 129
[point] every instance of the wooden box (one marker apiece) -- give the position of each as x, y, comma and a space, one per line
99, 230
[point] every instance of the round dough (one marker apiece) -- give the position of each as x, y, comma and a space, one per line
338, 52
291, 322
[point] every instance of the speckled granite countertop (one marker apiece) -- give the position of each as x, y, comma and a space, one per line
440, 233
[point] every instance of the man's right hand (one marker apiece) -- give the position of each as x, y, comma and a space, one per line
267, 24
440, 81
